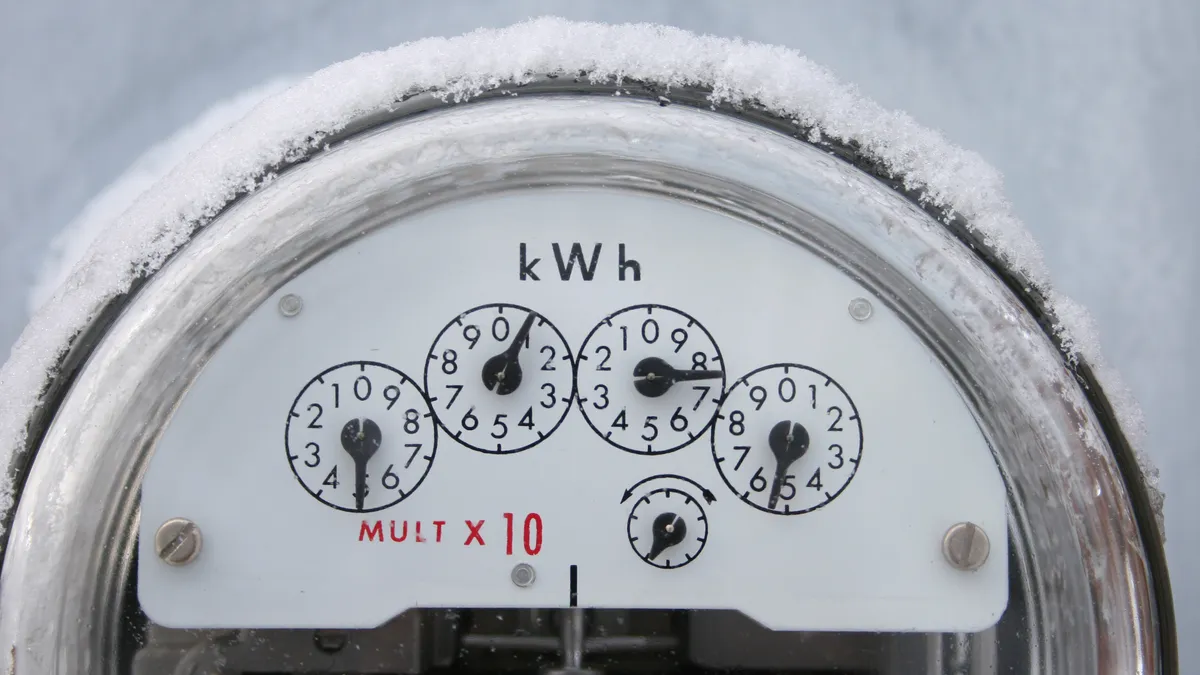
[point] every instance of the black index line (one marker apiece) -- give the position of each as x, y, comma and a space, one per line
574, 585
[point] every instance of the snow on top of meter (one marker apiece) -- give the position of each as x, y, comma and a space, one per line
296, 122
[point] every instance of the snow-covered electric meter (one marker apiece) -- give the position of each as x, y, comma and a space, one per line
578, 357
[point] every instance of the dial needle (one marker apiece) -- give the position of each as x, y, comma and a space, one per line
788, 441
653, 377
668, 529
502, 372
361, 439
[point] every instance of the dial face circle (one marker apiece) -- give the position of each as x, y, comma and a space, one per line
500, 378
667, 528
360, 436
788, 439
649, 379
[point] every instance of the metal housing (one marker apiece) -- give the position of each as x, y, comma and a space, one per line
1092, 579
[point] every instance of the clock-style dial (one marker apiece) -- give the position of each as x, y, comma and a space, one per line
360, 436
649, 379
788, 439
499, 377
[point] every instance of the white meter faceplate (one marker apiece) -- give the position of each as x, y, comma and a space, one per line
592, 397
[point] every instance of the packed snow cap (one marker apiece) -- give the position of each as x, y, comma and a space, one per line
294, 123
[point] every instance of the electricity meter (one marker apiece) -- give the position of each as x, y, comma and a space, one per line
590, 370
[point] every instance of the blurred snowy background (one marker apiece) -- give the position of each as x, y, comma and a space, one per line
1091, 109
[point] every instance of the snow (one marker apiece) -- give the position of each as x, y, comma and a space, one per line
291, 123
70, 245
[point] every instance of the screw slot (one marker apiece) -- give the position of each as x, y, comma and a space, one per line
178, 541
966, 546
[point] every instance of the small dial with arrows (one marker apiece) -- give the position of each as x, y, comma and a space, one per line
667, 527
499, 377
788, 439
360, 436
649, 379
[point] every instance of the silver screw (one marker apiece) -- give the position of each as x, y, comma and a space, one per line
290, 305
966, 546
178, 541
523, 575
860, 309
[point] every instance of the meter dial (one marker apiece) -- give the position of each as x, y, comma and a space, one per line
500, 378
667, 528
787, 439
650, 378
360, 437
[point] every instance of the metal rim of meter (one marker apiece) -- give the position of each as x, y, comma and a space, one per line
1080, 533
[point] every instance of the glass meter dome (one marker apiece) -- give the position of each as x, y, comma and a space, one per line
578, 373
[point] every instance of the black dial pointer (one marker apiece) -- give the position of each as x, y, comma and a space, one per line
360, 440
502, 372
668, 530
653, 377
789, 442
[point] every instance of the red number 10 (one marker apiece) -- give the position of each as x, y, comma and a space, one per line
533, 533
